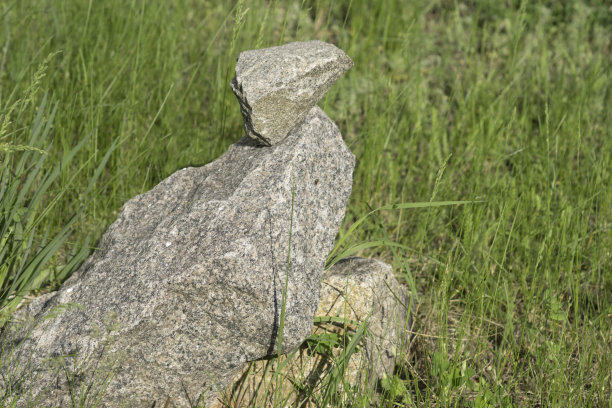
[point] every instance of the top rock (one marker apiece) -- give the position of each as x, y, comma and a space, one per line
277, 86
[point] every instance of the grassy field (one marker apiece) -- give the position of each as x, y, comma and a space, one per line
505, 102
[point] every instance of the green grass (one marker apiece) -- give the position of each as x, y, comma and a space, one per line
504, 102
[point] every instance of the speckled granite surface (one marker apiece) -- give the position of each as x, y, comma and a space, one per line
187, 283
277, 86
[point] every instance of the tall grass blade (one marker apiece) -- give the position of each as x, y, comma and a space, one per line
281, 325
400, 206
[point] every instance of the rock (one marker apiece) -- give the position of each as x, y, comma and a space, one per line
356, 289
187, 284
277, 86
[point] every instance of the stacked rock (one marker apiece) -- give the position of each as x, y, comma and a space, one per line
200, 275
278, 86
190, 281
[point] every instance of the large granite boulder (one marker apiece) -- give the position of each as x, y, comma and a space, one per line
187, 284
354, 292
277, 86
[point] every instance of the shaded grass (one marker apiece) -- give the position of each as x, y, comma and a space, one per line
505, 102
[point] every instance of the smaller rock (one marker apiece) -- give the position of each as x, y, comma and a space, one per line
354, 289
277, 86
